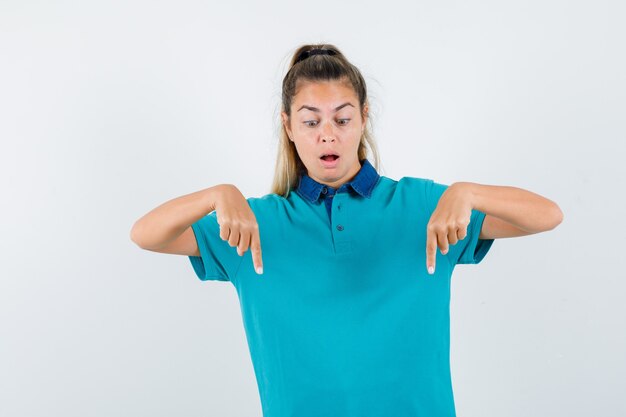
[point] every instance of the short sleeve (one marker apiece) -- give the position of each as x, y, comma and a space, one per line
218, 260
471, 249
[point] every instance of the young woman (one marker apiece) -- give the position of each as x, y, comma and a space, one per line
346, 310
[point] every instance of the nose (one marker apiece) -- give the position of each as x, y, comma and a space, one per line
327, 132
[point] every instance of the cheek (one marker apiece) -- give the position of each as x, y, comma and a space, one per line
304, 131
306, 150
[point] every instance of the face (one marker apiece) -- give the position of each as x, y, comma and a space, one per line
325, 119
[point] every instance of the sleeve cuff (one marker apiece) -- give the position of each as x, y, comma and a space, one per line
203, 265
476, 248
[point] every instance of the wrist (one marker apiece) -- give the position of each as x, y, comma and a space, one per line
470, 191
211, 196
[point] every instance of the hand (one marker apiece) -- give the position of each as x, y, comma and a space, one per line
448, 223
238, 223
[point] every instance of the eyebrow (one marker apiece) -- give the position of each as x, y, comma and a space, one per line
315, 109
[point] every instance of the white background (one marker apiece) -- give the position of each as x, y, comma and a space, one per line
108, 109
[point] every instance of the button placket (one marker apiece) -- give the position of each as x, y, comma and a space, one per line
340, 226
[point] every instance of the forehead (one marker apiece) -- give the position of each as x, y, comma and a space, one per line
317, 92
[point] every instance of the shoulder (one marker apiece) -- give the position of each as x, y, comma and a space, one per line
407, 184
408, 192
414, 182
268, 203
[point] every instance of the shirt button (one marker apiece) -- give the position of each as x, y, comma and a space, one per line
339, 227
324, 190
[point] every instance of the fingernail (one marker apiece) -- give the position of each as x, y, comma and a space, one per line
444, 252
259, 270
431, 270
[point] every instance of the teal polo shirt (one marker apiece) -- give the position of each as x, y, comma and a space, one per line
345, 320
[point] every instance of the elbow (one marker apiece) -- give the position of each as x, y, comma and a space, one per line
135, 236
138, 237
560, 216
556, 218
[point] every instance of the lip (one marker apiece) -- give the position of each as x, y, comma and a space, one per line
330, 164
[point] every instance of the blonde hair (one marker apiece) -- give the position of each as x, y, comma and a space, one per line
324, 67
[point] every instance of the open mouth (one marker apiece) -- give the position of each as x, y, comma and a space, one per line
329, 158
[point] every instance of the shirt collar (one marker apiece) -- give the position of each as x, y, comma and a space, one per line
363, 183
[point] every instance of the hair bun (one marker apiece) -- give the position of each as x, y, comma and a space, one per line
305, 54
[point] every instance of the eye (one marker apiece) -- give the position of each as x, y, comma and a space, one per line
342, 122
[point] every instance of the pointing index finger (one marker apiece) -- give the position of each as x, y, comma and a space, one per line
255, 247
431, 250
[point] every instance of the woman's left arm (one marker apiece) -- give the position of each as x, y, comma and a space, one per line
511, 211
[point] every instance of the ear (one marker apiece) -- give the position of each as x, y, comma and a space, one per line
365, 115
285, 120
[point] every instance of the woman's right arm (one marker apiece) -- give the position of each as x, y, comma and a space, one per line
167, 228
